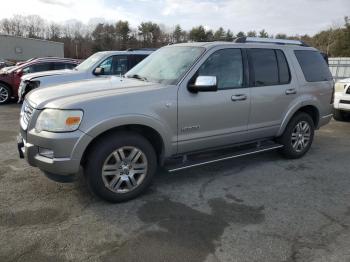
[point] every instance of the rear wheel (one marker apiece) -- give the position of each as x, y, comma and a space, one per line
5, 94
120, 166
298, 136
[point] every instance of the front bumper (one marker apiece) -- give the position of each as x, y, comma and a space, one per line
342, 101
67, 148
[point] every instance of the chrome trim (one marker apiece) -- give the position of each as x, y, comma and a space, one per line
327, 116
26, 115
225, 158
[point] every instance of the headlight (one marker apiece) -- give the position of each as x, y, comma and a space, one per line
56, 120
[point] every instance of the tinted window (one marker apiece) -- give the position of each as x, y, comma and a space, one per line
264, 65
135, 59
120, 65
60, 66
37, 68
314, 66
107, 66
283, 69
227, 66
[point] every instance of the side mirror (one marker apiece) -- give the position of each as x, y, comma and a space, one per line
99, 71
204, 84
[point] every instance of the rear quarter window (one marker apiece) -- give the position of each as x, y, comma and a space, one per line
313, 65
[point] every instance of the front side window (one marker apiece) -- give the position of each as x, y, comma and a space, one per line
227, 66
167, 65
313, 65
107, 66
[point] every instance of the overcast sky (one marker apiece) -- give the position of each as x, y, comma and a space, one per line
276, 16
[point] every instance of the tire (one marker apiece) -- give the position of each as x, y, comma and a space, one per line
115, 180
5, 94
298, 136
338, 115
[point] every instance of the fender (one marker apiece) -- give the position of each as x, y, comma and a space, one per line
143, 120
306, 100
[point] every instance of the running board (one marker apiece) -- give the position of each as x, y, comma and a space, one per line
189, 161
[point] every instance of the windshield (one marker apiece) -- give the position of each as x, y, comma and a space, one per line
167, 65
89, 62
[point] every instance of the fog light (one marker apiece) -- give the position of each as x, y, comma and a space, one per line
45, 152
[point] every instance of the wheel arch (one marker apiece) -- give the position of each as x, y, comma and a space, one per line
151, 134
7, 85
310, 109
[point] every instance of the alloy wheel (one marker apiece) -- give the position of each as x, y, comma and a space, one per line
4, 94
124, 169
301, 136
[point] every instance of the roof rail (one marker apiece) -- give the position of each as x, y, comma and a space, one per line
269, 41
141, 49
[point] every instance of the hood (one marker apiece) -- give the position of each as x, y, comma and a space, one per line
49, 73
59, 95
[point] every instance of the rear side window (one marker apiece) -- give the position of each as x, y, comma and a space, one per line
135, 59
60, 66
38, 68
120, 65
283, 68
313, 65
264, 67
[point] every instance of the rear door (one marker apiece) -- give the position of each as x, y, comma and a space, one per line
272, 90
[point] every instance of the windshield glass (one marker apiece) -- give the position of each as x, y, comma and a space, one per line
90, 61
167, 65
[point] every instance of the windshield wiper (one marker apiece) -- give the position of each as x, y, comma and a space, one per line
138, 77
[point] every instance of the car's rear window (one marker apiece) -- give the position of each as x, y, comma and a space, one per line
313, 65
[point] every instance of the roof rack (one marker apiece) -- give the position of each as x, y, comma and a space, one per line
269, 41
141, 49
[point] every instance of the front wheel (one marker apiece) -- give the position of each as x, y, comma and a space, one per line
120, 166
298, 136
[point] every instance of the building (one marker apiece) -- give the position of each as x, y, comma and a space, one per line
22, 48
340, 67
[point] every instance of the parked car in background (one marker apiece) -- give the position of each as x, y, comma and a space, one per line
179, 102
5, 63
99, 64
10, 79
342, 100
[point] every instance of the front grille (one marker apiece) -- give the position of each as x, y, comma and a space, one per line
26, 114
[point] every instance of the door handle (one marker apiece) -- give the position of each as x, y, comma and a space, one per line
240, 97
291, 91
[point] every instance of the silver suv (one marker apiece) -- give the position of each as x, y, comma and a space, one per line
183, 106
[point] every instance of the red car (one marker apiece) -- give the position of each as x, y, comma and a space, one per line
10, 79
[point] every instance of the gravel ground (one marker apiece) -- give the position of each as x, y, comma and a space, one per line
257, 208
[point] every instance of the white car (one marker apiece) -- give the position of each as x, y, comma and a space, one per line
99, 64
342, 99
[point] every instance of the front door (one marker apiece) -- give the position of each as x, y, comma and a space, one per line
214, 119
